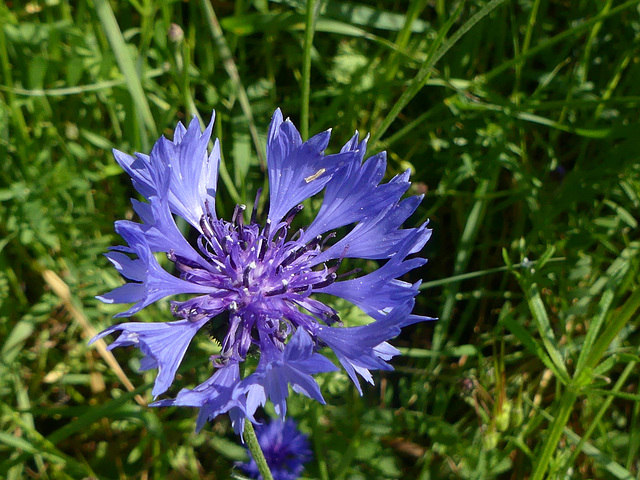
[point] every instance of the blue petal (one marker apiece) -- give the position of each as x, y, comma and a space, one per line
193, 172
157, 282
277, 370
127, 293
354, 144
378, 236
178, 133
299, 352
365, 348
297, 170
380, 291
215, 396
386, 351
138, 168
160, 230
180, 170
131, 268
353, 193
164, 346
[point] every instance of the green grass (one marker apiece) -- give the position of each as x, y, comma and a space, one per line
520, 123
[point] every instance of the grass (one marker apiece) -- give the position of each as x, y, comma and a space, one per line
519, 121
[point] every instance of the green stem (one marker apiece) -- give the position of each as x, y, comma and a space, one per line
482, 273
256, 451
317, 443
553, 40
551, 444
232, 70
569, 397
611, 330
306, 69
127, 66
593, 424
16, 113
439, 48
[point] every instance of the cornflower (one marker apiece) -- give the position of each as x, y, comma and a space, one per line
261, 276
285, 449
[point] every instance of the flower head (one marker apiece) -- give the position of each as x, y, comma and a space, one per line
285, 448
260, 275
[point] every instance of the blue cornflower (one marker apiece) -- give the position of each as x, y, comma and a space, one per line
285, 448
260, 276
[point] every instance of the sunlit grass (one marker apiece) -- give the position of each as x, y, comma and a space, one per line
520, 123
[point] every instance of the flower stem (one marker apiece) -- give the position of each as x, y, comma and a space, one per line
256, 451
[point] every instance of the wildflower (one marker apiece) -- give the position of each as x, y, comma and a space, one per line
261, 276
285, 448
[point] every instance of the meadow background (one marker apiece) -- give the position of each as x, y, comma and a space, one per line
520, 123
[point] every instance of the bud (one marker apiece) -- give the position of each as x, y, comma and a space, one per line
517, 415
175, 33
490, 440
502, 418
71, 131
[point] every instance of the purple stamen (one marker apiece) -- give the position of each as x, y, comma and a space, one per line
254, 212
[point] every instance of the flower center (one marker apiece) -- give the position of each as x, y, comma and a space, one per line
262, 278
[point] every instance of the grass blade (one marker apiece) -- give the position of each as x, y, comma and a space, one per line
427, 69
232, 71
128, 69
